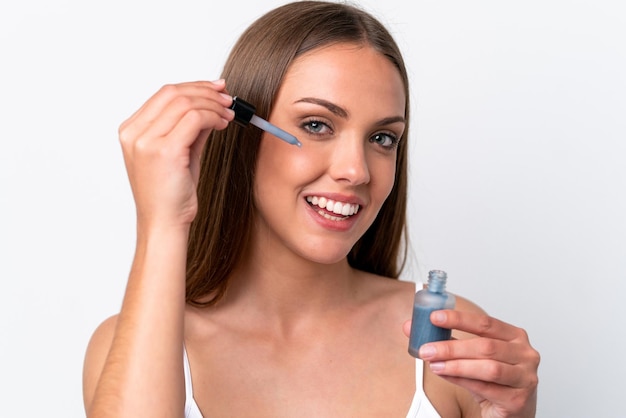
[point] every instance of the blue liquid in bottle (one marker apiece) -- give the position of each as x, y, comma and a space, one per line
433, 298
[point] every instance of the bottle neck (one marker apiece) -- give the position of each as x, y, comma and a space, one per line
437, 281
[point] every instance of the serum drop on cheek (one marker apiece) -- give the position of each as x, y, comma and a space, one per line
433, 298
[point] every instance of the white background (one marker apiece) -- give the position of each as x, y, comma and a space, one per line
517, 178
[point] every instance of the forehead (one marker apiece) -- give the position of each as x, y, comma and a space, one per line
344, 72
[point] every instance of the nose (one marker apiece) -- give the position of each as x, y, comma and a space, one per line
349, 161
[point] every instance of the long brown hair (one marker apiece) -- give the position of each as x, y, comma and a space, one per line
255, 70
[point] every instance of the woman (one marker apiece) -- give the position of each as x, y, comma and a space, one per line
262, 283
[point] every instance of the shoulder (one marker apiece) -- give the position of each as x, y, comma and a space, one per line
384, 297
380, 287
464, 304
101, 338
95, 356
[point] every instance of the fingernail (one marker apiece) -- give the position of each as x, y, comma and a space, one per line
438, 317
427, 351
437, 366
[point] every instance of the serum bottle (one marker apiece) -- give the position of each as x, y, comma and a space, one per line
433, 298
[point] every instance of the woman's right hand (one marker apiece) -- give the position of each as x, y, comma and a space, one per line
162, 143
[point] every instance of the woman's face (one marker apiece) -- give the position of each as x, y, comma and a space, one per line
345, 103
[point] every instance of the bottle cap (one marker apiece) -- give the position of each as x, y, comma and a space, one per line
243, 111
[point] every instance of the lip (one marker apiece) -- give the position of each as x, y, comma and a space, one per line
335, 225
338, 197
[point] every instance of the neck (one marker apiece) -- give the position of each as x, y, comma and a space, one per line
288, 292
305, 285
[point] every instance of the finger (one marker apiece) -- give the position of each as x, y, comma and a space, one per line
474, 348
508, 398
179, 108
195, 154
194, 126
483, 370
137, 124
406, 328
477, 324
151, 107
175, 101
177, 145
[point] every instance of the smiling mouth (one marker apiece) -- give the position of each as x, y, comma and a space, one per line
331, 209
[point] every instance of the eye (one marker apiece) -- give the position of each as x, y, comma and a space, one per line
316, 127
385, 140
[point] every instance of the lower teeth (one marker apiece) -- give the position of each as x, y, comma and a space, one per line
332, 218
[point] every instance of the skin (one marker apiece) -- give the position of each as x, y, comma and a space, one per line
299, 332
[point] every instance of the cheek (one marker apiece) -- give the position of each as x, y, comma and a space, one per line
383, 177
283, 168
308, 161
287, 162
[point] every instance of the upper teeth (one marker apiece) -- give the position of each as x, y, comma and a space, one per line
344, 209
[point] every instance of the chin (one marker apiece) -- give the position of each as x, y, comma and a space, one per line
325, 254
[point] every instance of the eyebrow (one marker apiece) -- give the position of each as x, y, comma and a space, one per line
341, 112
333, 108
391, 120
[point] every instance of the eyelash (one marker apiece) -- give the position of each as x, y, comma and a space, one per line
306, 126
394, 140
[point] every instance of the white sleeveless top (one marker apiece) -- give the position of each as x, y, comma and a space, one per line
420, 406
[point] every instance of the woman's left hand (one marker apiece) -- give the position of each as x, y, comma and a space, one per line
497, 364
